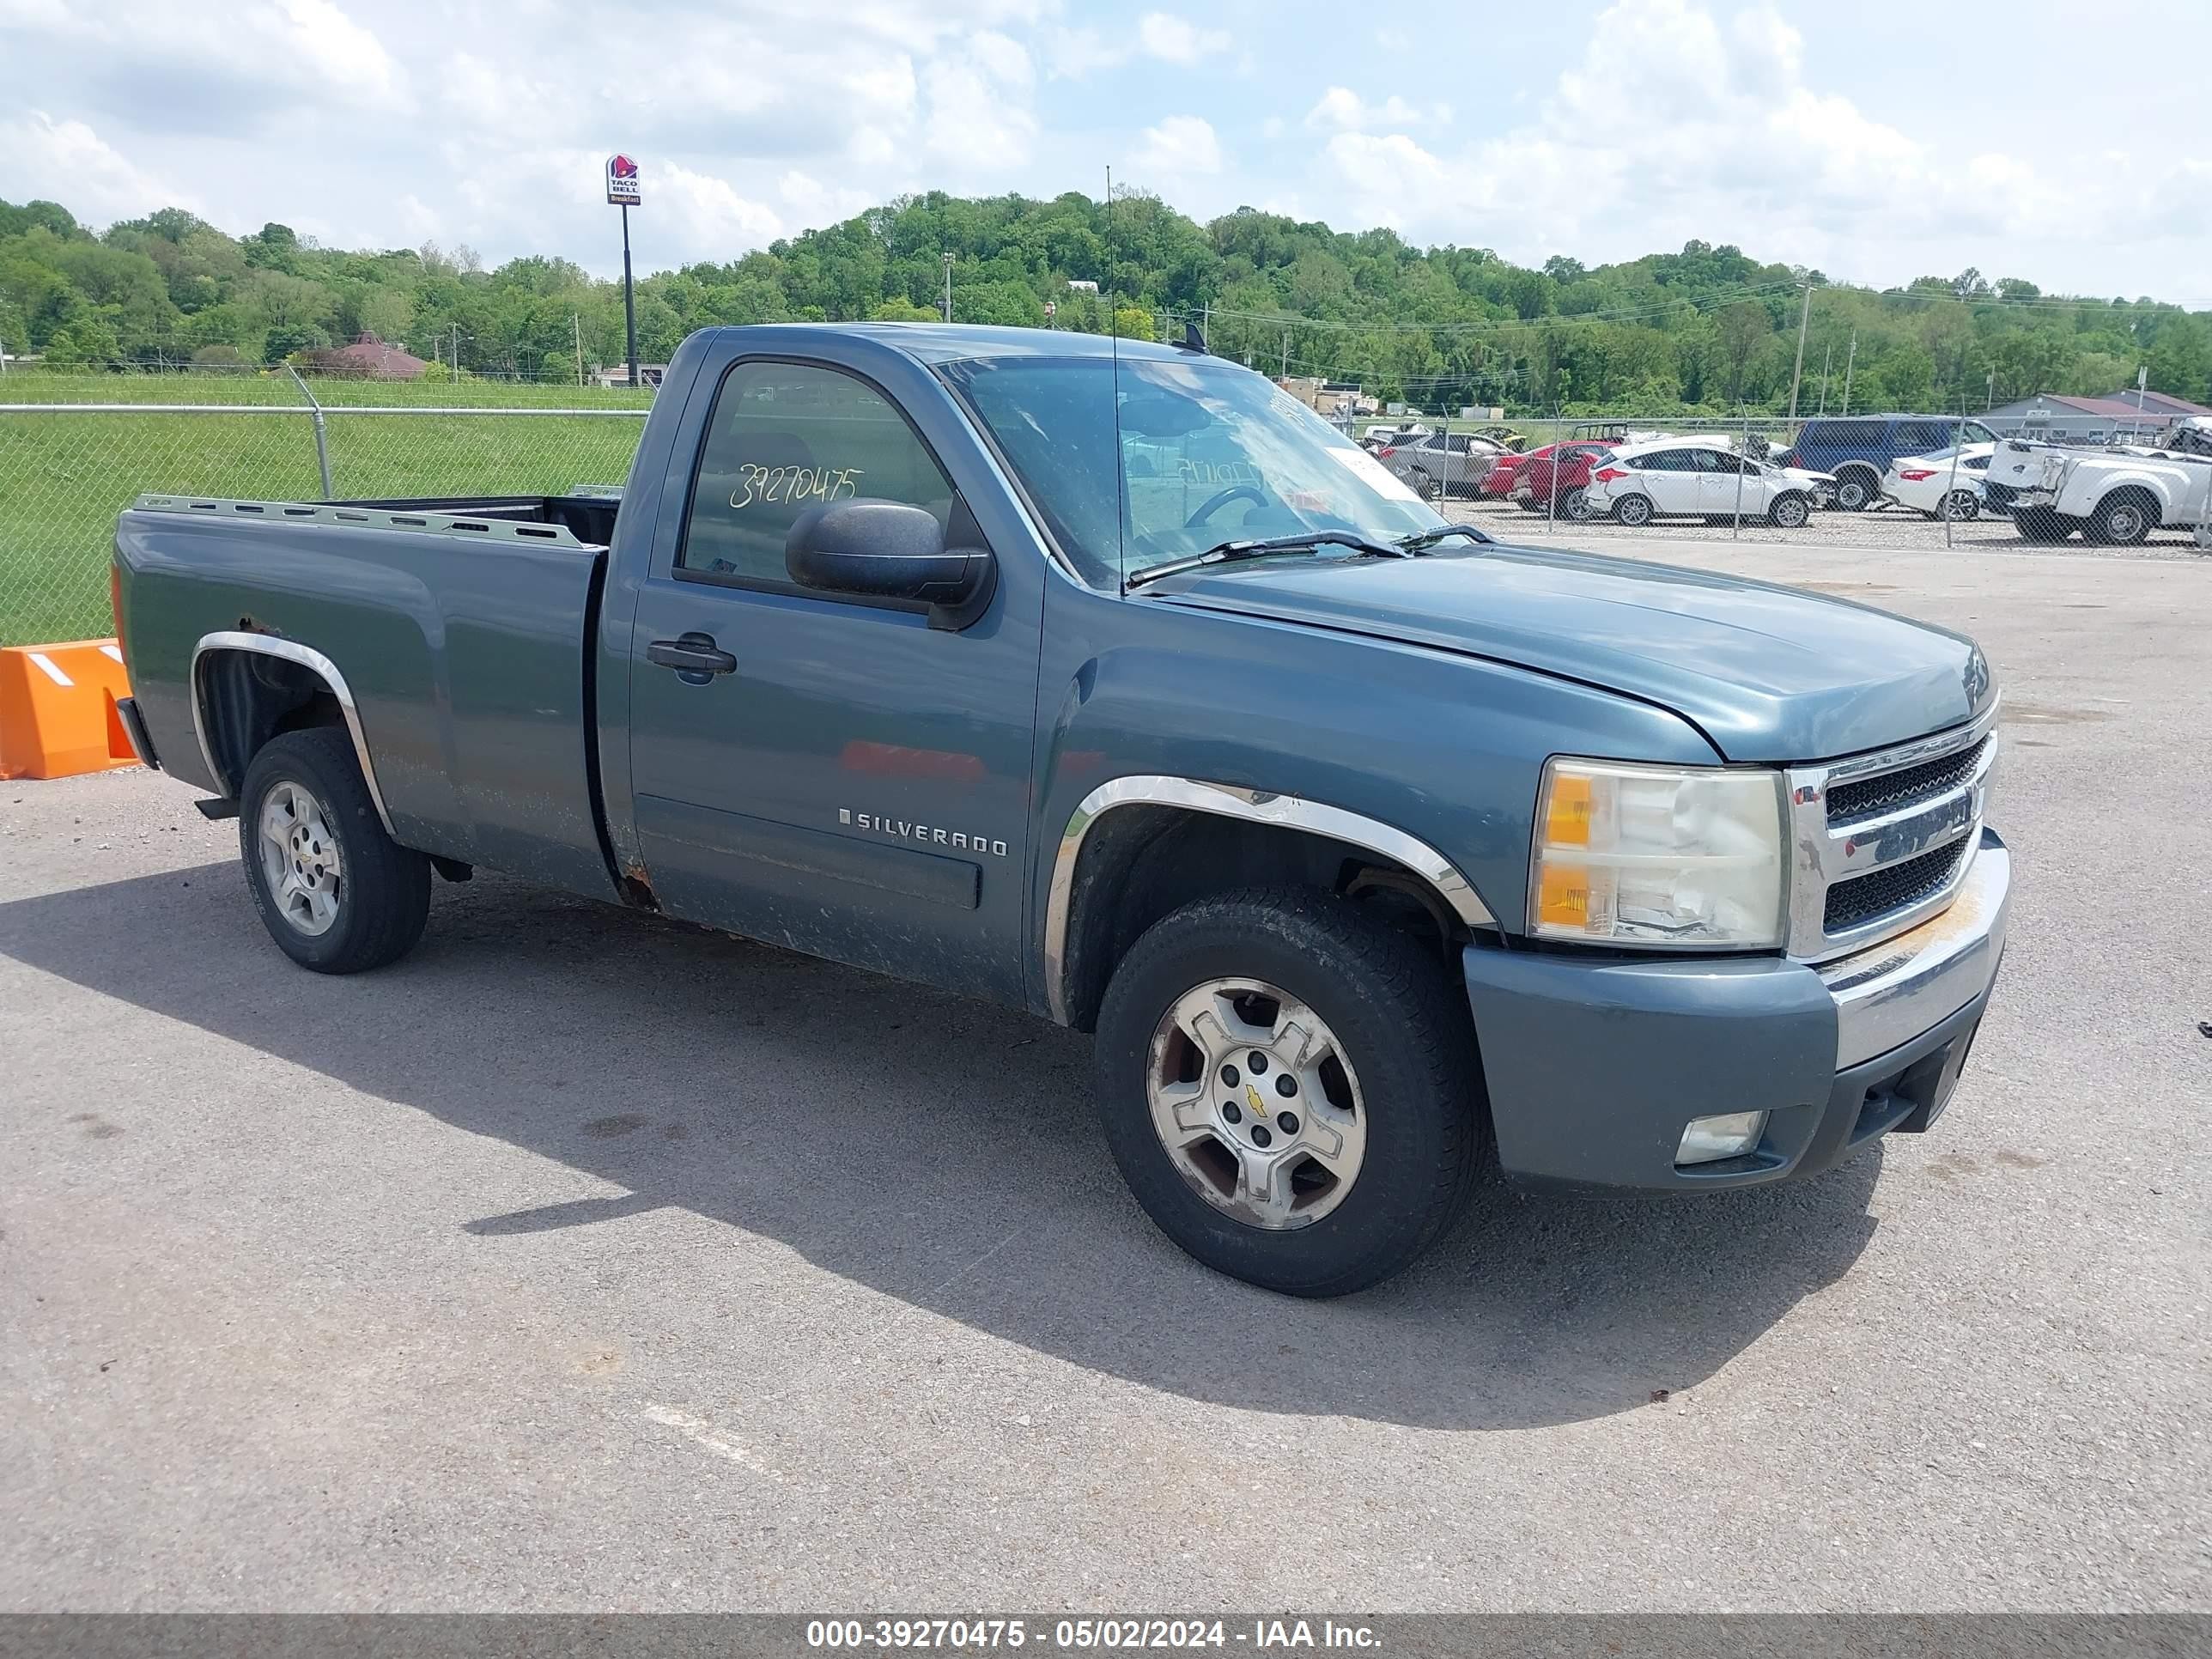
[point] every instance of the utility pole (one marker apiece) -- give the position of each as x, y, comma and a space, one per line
1285, 374
948, 288
1797, 373
1850, 358
1205, 324
1992, 402
1827, 362
457, 351
576, 323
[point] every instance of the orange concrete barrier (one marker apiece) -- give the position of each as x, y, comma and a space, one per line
57, 715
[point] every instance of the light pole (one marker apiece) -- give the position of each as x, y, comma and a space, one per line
1797, 373
948, 288
1850, 358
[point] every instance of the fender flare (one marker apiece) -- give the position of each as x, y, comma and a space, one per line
269, 645
1254, 807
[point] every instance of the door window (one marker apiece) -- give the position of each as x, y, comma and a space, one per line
785, 437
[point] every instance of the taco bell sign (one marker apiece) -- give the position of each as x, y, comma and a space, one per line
622, 182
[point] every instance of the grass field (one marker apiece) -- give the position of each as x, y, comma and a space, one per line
64, 476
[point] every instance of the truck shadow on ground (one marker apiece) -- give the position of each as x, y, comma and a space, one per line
940, 1152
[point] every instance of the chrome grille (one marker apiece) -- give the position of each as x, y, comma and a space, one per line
1894, 887
1881, 841
1867, 798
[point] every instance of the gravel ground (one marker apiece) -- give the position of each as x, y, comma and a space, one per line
585, 1263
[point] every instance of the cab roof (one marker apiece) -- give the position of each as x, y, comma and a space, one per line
946, 342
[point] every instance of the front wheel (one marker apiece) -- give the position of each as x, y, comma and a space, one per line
1789, 512
336, 892
1289, 1085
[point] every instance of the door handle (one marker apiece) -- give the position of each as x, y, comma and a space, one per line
692, 654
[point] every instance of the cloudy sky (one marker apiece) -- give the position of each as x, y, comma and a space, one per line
1877, 140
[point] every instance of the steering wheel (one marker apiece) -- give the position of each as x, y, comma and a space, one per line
1213, 503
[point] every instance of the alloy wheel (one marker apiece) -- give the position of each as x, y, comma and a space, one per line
1256, 1104
299, 859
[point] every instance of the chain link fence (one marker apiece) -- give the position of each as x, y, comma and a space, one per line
69, 466
73, 455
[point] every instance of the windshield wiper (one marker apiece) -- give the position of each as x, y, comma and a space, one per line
1304, 542
1421, 540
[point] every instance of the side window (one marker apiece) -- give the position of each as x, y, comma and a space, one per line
1976, 463
1918, 438
787, 436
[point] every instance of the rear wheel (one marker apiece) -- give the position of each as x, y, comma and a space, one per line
1575, 505
336, 892
2123, 518
1289, 1085
1961, 505
1856, 488
1632, 510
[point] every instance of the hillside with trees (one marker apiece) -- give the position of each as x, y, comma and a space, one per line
1708, 329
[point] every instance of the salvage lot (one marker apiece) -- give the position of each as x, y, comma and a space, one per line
584, 1262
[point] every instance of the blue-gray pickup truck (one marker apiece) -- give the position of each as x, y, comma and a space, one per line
1104, 680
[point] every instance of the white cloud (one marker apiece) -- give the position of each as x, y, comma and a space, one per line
978, 119
1173, 39
68, 161
1074, 53
337, 50
1180, 147
1672, 123
1342, 110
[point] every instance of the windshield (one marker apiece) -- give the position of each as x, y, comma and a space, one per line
1208, 453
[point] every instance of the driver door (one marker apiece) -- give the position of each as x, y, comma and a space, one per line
848, 782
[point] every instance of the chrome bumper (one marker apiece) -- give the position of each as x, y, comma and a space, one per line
1890, 993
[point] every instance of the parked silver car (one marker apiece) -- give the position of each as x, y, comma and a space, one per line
1443, 465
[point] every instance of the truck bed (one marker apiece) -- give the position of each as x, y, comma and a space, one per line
463, 628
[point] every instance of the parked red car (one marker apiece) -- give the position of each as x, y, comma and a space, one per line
1532, 488
1497, 483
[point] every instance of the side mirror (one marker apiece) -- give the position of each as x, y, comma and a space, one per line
889, 550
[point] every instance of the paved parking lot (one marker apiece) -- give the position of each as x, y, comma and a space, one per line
582, 1261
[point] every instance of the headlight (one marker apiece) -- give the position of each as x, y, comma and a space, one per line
1658, 856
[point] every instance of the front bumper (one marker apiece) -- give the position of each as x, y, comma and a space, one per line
1595, 1065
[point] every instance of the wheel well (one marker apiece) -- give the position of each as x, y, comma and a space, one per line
2142, 493
1138, 863
246, 697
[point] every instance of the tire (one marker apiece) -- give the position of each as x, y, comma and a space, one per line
1574, 506
1789, 511
369, 896
1857, 490
2042, 523
1632, 510
1425, 486
1409, 1083
1960, 507
2123, 518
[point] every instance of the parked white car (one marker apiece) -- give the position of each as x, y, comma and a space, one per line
1939, 486
1691, 477
2114, 498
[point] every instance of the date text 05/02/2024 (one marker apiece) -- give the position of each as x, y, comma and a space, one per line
1260, 1635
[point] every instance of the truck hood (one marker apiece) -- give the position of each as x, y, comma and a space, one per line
1767, 673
